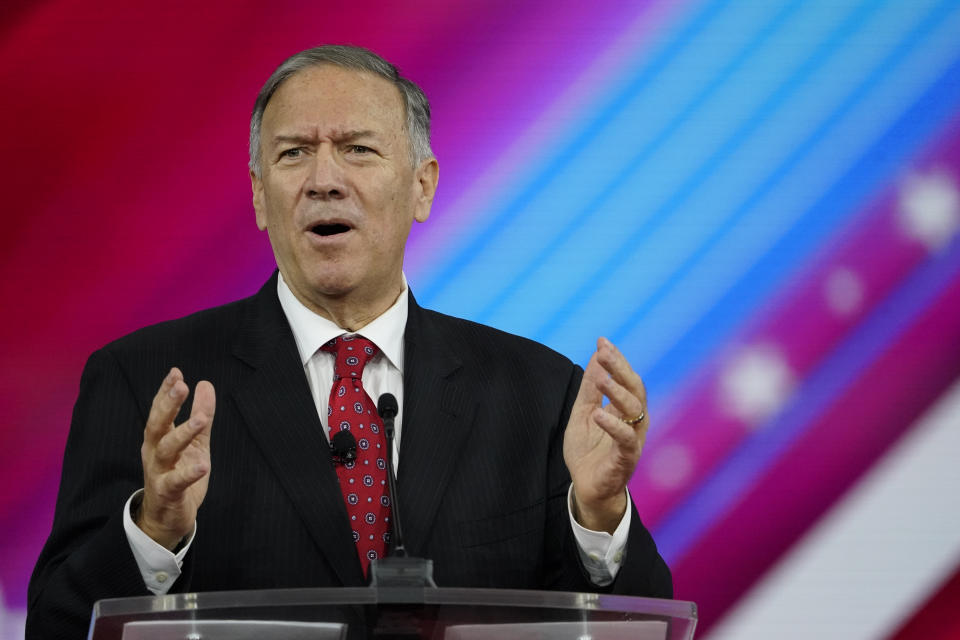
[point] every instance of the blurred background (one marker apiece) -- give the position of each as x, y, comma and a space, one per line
758, 201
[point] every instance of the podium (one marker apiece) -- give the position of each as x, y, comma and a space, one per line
426, 613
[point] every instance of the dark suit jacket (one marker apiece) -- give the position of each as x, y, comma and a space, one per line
481, 477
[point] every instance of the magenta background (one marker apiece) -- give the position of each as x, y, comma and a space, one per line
126, 202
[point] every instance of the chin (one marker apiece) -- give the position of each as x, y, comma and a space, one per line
329, 288
332, 281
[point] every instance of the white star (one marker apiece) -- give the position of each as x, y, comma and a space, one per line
930, 208
756, 383
843, 290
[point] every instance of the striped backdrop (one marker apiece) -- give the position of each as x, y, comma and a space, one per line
758, 201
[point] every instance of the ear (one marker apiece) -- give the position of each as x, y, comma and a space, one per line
256, 184
428, 174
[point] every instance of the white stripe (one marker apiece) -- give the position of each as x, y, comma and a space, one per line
877, 555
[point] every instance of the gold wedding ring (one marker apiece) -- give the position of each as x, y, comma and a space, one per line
636, 420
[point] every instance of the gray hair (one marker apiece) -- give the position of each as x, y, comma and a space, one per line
348, 57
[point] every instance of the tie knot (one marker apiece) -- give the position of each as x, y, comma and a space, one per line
352, 355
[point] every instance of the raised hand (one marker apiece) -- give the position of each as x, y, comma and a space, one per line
176, 460
602, 443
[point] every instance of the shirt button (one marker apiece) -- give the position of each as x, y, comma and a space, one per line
161, 576
594, 557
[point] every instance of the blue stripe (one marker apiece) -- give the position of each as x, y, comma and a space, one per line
666, 237
445, 274
594, 166
623, 255
627, 175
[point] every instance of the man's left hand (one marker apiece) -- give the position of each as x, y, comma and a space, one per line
601, 446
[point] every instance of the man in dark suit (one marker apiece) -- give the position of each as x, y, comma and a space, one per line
492, 427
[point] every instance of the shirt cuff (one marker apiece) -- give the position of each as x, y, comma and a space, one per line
159, 566
602, 554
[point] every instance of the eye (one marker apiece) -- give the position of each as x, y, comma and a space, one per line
291, 154
359, 149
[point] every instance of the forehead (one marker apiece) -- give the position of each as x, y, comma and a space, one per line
331, 97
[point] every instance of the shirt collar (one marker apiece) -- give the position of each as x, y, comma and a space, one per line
311, 331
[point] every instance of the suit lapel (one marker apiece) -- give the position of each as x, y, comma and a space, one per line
276, 404
437, 416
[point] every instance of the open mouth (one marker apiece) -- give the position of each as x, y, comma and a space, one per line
329, 229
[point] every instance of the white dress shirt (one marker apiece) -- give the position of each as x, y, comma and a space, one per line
601, 552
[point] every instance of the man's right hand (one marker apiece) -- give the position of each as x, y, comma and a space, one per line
176, 461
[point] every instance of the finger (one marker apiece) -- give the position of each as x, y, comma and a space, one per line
173, 391
622, 434
589, 393
179, 479
617, 366
195, 429
624, 402
171, 445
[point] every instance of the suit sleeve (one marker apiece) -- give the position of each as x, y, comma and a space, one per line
87, 556
643, 572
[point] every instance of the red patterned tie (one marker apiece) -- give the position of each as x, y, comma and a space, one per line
364, 481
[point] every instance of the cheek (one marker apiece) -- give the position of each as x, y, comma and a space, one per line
278, 210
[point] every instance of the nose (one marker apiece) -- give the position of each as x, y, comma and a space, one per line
327, 180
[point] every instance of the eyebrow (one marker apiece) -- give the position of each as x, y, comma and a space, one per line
346, 136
